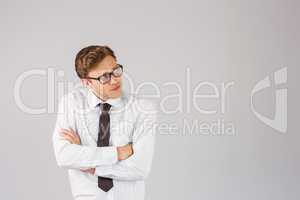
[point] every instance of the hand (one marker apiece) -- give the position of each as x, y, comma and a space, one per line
91, 170
124, 151
70, 135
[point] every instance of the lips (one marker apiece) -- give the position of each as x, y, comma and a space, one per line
115, 88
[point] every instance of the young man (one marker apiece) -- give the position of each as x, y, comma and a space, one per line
103, 136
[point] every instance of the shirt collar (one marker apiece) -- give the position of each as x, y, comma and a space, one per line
93, 100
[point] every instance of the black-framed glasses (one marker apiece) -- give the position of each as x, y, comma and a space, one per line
105, 78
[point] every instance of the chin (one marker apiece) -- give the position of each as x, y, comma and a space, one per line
115, 94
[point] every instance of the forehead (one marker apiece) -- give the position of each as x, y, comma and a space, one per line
106, 65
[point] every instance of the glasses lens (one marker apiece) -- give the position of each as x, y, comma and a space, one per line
104, 78
118, 71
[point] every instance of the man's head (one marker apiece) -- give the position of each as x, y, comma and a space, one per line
94, 61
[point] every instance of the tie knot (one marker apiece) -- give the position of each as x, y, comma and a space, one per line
105, 107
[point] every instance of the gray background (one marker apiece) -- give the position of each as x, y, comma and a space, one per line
220, 41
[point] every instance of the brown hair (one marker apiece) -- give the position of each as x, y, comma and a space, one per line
89, 56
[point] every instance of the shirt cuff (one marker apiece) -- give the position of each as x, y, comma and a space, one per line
103, 170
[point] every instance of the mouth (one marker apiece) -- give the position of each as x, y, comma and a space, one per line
116, 88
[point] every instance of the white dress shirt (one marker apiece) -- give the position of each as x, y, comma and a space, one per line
132, 119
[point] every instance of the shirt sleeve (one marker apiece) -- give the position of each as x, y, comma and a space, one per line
72, 155
137, 166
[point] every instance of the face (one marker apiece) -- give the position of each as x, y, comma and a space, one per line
109, 90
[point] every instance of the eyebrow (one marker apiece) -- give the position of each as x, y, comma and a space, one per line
117, 65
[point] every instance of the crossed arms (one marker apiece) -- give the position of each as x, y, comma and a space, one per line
129, 162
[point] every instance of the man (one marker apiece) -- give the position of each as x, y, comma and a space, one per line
103, 136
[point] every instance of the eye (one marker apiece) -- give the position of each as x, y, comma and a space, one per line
118, 71
105, 77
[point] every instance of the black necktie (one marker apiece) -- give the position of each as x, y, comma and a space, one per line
103, 140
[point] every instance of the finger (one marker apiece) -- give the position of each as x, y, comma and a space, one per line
70, 139
72, 132
65, 130
87, 170
91, 171
75, 140
66, 137
69, 133
75, 133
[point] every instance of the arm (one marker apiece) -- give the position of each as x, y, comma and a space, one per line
137, 166
76, 156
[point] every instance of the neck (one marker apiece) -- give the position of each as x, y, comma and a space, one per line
98, 96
